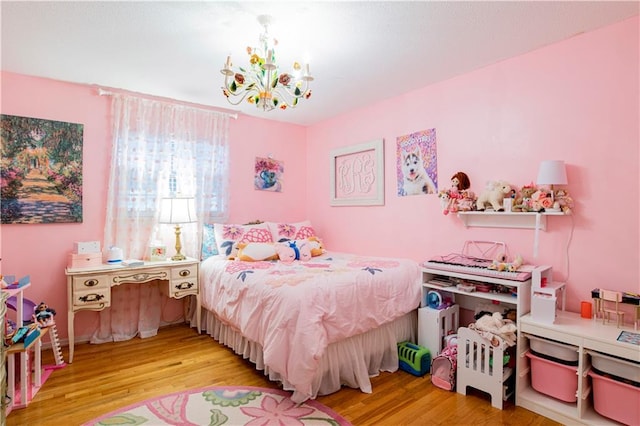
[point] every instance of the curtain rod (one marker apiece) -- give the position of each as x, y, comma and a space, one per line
106, 92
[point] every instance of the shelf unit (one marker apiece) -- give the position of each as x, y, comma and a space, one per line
468, 300
584, 334
493, 219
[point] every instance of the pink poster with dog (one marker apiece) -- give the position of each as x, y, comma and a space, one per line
417, 169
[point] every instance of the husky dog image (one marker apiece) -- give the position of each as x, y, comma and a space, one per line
415, 178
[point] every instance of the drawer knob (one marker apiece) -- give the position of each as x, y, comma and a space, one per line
184, 273
91, 282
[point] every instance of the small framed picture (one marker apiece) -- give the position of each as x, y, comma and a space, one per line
157, 253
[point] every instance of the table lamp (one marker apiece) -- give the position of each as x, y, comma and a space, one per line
178, 210
552, 172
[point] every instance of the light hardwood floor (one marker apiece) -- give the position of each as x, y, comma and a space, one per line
109, 376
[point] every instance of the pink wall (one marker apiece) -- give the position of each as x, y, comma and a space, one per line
576, 100
40, 250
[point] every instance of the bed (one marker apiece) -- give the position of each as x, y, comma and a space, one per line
316, 325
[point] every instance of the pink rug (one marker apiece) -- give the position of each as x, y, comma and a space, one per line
229, 405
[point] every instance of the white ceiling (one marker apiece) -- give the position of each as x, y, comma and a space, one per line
360, 52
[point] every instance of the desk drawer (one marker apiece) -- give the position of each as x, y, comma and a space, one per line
182, 287
92, 283
96, 297
187, 272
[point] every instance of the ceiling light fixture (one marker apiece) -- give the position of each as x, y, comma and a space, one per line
262, 83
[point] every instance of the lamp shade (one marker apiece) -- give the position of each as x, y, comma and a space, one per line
552, 172
177, 210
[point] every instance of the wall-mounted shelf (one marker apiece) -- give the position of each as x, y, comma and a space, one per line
492, 219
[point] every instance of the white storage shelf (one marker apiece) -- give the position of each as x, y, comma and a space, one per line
493, 219
585, 334
468, 300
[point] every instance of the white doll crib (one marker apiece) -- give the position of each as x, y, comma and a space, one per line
480, 365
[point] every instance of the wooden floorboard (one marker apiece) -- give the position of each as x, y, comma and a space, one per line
109, 376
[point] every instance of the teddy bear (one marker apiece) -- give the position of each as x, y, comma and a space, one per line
493, 195
522, 202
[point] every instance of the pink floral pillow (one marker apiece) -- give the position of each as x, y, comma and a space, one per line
229, 235
291, 230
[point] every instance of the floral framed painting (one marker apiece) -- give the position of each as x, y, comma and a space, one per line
41, 170
357, 175
268, 174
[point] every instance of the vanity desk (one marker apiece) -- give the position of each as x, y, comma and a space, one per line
90, 288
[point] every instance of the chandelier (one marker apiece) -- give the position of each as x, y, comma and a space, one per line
262, 83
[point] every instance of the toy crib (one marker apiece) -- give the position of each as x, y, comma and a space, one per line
480, 365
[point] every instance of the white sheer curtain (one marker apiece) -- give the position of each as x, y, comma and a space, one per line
159, 148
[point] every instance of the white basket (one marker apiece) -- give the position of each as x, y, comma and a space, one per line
615, 366
553, 349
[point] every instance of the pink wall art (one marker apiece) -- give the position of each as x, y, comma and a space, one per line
41, 174
357, 175
417, 164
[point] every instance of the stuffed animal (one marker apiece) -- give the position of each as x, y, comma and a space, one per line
43, 315
541, 200
467, 202
522, 203
493, 195
501, 264
457, 197
316, 246
500, 332
563, 201
290, 251
460, 181
253, 252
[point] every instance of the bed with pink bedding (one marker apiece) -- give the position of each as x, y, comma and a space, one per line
316, 325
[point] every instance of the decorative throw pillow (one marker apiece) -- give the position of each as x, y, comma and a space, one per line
209, 247
229, 235
291, 230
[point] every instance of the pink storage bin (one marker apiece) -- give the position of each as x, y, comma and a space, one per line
556, 380
616, 400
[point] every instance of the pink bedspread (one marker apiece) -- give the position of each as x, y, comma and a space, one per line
295, 311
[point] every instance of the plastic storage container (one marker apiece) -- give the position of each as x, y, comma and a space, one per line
555, 351
557, 380
615, 366
414, 359
616, 400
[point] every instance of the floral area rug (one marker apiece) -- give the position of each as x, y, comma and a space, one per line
229, 405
